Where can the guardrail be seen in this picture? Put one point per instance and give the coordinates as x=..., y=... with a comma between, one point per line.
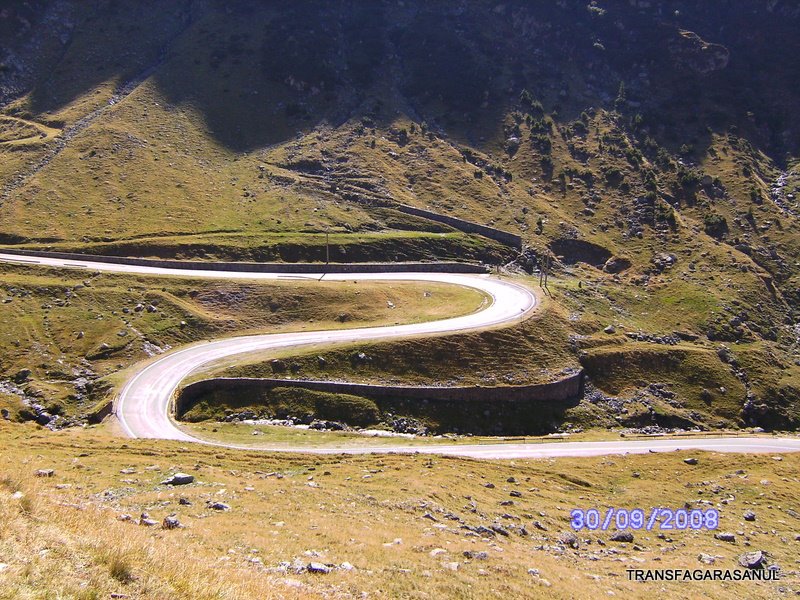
x=271, y=267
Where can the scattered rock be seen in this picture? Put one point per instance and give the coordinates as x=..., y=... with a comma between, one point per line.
x=500, y=529
x=171, y=522
x=726, y=537
x=663, y=261
x=178, y=479
x=706, y=558
x=213, y=505
x=484, y=531
x=568, y=538
x=476, y=555
x=749, y=516
x=146, y=521
x=622, y=536
x=327, y=426
x=690, y=461
x=359, y=358
x=752, y=560
x=610, y=329
x=408, y=425
x=45, y=473
x=318, y=568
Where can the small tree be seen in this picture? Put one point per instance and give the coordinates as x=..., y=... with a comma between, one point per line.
x=621, y=97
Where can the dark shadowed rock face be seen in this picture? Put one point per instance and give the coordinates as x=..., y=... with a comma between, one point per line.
x=571, y=251
x=690, y=51
x=617, y=264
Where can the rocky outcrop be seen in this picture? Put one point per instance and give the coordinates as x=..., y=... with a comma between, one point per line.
x=617, y=264
x=690, y=51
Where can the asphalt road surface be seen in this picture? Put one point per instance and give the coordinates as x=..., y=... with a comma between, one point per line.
x=144, y=404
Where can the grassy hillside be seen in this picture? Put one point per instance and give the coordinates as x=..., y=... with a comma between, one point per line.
x=390, y=526
x=68, y=334
x=658, y=135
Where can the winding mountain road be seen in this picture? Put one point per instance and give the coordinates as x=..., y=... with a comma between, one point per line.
x=144, y=404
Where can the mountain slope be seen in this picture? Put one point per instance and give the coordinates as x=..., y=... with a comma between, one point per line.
x=661, y=135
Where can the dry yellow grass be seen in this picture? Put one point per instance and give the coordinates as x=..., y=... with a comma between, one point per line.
x=60, y=549
x=63, y=538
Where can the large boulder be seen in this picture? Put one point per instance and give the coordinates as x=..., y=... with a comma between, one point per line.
x=178, y=479
x=752, y=560
x=171, y=522
x=622, y=536
x=318, y=568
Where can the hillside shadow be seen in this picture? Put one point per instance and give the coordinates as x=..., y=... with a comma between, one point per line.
x=260, y=72
x=102, y=42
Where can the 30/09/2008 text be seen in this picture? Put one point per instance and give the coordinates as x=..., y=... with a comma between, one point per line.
x=637, y=518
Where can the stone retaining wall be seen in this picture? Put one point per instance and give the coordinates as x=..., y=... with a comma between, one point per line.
x=503, y=410
x=569, y=388
x=396, y=267
x=504, y=237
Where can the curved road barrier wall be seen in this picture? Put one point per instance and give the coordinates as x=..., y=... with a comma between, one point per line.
x=248, y=267
x=504, y=237
x=508, y=410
